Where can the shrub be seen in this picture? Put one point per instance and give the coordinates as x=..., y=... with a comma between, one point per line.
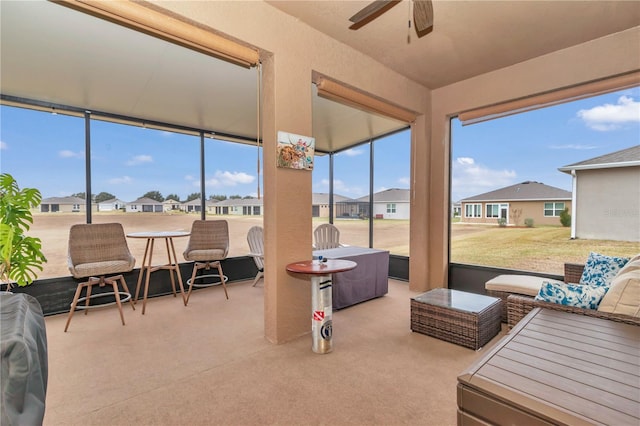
x=528, y=222
x=565, y=217
x=502, y=222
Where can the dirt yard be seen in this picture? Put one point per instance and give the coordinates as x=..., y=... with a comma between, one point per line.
x=53, y=230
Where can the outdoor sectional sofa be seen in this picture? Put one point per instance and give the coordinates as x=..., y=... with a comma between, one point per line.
x=518, y=305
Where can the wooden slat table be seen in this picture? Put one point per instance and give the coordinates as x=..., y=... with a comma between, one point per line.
x=556, y=368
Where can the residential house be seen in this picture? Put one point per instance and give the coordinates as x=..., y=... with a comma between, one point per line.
x=388, y=204
x=170, y=205
x=239, y=207
x=606, y=196
x=111, y=205
x=144, y=205
x=320, y=204
x=526, y=200
x=63, y=205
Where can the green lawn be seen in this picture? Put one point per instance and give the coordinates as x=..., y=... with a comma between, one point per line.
x=542, y=249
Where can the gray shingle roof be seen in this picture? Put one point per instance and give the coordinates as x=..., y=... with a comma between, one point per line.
x=63, y=200
x=528, y=190
x=396, y=195
x=145, y=200
x=623, y=158
x=323, y=198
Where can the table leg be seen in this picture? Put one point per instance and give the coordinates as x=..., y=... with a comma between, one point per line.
x=321, y=313
x=142, y=269
x=146, y=281
x=173, y=251
x=170, y=266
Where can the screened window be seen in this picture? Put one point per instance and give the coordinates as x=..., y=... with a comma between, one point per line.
x=473, y=210
x=553, y=209
x=391, y=207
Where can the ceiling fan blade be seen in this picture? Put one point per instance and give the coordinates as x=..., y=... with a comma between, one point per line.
x=422, y=17
x=371, y=12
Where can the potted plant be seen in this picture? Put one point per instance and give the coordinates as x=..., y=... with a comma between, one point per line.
x=21, y=255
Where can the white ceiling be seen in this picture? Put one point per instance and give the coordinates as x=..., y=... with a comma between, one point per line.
x=56, y=55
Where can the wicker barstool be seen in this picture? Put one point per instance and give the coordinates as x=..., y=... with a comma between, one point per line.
x=208, y=245
x=95, y=251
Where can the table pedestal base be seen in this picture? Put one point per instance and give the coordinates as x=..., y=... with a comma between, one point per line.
x=321, y=314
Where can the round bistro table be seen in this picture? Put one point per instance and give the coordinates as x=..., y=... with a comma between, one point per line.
x=147, y=267
x=321, y=304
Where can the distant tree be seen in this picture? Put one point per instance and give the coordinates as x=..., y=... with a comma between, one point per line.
x=193, y=196
x=173, y=197
x=104, y=196
x=82, y=195
x=235, y=197
x=247, y=197
x=154, y=195
x=565, y=217
x=218, y=197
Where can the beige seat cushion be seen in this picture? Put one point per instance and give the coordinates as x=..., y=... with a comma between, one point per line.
x=519, y=284
x=623, y=296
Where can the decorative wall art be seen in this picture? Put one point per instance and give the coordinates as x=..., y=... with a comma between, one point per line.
x=295, y=151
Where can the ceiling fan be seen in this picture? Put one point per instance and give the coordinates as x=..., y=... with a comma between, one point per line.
x=422, y=14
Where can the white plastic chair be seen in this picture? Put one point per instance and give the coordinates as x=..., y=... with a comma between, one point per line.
x=326, y=236
x=255, y=239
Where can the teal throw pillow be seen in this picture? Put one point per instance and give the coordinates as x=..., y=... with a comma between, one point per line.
x=580, y=296
x=599, y=269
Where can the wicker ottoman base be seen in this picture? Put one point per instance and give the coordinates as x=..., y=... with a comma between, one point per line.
x=466, y=319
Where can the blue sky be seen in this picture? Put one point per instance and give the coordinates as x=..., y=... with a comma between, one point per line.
x=47, y=151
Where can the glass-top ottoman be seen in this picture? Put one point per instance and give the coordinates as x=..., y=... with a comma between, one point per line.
x=466, y=319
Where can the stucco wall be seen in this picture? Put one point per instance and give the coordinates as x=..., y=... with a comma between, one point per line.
x=608, y=204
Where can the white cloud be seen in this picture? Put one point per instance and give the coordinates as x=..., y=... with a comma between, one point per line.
x=405, y=181
x=610, y=117
x=3, y=145
x=352, y=152
x=120, y=180
x=139, y=159
x=573, y=146
x=189, y=178
x=471, y=179
x=465, y=160
x=339, y=187
x=226, y=178
x=65, y=153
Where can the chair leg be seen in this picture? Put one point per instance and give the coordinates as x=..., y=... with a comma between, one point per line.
x=193, y=277
x=259, y=275
x=116, y=293
x=73, y=306
x=222, y=280
x=126, y=288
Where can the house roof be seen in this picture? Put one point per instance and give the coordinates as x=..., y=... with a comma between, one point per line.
x=524, y=191
x=323, y=198
x=197, y=202
x=240, y=202
x=396, y=195
x=624, y=158
x=63, y=200
x=111, y=201
x=145, y=200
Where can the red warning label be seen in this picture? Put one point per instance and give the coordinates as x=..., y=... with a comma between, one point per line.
x=318, y=315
